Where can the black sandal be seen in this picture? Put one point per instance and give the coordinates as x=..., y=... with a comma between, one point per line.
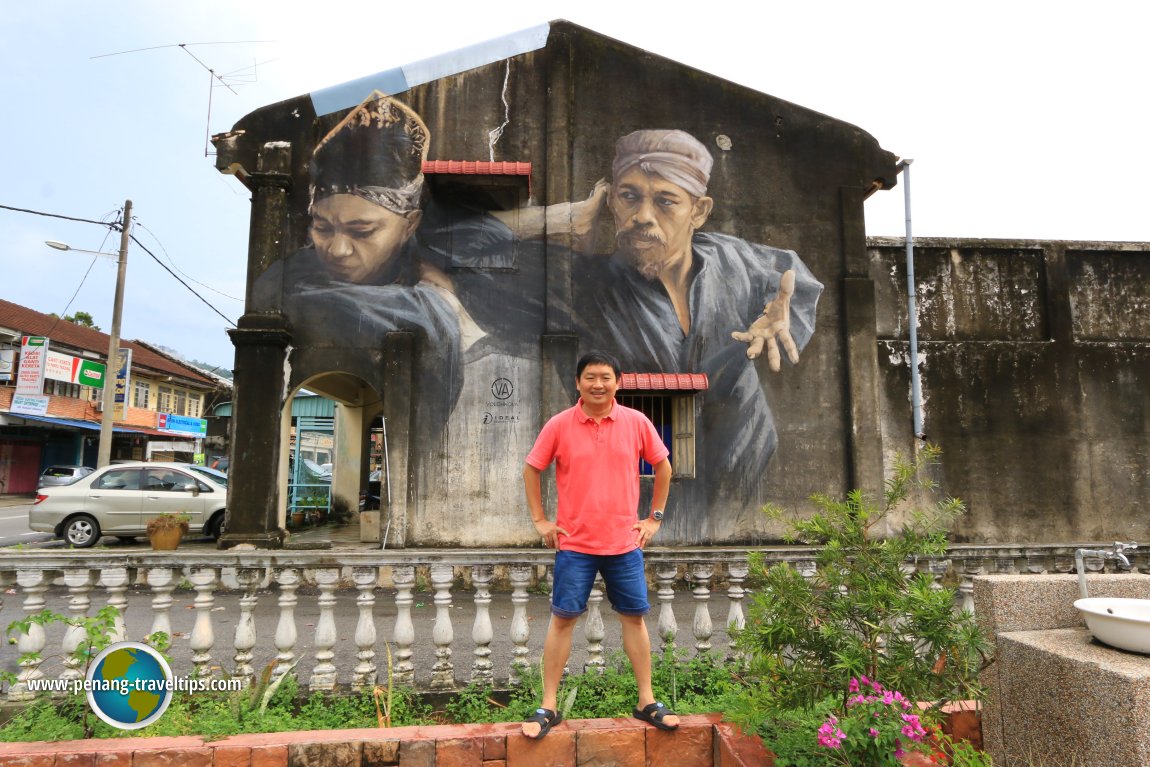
x=654, y=713
x=546, y=719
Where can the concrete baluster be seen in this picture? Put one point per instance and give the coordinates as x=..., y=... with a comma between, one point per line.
x=323, y=676
x=520, y=629
x=665, y=575
x=203, y=636
x=115, y=582
x=443, y=672
x=248, y=579
x=162, y=583
x=403, y=576
x=364, y=674
x=594, y=629
x=79, y=583
x=288, y=580
x=970, y=568
x=481, y=631
x=33, y=583
x=736, y=622
x=701, y=574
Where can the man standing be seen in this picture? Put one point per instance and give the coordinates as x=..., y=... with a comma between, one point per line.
x=596, y=446
x=676, y=299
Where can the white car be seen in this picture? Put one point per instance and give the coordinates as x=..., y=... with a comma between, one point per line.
x=120, y=499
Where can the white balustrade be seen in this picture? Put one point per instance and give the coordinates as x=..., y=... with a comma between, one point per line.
x=593, y=627
x=79, y=583
x=365, y=672
x=203, y=637
x=736, y=621
x=403, y=576
x=248, y=579
x=323, y=676
x=668, y=627
x=162, y=582
x=30, y=643
x=288, y=580
x=701, y=574
x=482, y=632
x=520, y=630
x=63, y=583
x=443, y=672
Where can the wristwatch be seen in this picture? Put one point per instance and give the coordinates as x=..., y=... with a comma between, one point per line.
x=657, y=515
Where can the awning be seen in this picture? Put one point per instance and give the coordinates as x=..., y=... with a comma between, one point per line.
x=664, y=382
x=71, y=423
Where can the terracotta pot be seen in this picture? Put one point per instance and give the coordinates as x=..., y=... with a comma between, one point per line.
x=166, y=539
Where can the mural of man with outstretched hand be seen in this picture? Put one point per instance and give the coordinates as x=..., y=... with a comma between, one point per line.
x=672, y=298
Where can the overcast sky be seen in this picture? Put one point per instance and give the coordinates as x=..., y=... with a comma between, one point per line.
x=1025, y=122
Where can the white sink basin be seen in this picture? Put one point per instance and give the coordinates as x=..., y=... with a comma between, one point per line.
x=1121, y=623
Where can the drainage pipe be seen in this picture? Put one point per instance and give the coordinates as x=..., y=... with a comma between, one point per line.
x=911, y=311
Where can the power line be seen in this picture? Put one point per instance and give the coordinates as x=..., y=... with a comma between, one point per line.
x=114, y=227
x=58, y=215
x=177, y=278
x=181, y=271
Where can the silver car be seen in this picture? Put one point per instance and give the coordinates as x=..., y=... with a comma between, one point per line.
x=120, y=499
x=55, y=476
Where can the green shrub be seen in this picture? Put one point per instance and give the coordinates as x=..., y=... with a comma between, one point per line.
x=865, y=612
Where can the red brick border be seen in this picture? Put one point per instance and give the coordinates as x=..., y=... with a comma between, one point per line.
x=701, y=741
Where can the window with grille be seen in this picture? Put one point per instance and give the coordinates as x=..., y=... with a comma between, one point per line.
x=181, y=402
x=164, y=399
x=674, y=417
x=141, y=393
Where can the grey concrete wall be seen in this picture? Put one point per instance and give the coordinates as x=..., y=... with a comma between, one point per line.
x=1034, y=358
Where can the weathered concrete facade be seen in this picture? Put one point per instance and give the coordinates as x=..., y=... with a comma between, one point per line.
x=1031, y=373
x=1034, y=360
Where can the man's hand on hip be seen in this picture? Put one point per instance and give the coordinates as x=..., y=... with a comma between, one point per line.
x=646, y=530
x=550, y=532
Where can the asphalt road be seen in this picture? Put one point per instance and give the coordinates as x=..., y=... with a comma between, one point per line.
x=14, y=523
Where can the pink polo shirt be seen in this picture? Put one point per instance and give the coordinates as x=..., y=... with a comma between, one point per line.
x=597, y=474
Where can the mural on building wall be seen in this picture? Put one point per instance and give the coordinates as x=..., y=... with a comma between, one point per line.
x=674, y=299
x=384, y=256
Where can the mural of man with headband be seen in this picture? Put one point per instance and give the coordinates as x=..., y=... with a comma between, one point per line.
x=675, y=299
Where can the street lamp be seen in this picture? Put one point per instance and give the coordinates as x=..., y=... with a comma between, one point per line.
x=104, y=456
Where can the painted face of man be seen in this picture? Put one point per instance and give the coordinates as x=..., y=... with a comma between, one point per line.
x=357, y=239
x=597, y=384
x=654, y=220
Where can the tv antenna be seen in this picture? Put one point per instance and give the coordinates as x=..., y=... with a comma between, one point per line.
x=238, y=77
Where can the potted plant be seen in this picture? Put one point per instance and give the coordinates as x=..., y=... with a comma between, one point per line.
x=166, y=530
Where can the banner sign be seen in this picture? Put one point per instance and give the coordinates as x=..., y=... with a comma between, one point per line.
x=33, y=354
x=123, y=369
x=179, y=424
x=29, y=404
x=77, y=370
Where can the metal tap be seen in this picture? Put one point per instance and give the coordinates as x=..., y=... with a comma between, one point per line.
x=1118, y=552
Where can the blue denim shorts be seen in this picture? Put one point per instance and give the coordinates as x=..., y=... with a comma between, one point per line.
x=622, y=573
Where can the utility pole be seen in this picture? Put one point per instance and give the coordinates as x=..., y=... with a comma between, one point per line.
x=104, y=457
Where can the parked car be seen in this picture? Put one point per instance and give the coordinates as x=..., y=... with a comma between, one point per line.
x=120, y=499
x=55, y=476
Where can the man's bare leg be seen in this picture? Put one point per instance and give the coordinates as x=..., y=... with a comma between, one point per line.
x=637, y=645
x=556, y=651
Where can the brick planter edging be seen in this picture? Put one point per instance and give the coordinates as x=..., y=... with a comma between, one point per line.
x=702, y=740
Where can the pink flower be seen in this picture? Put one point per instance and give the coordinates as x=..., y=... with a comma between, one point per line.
x=873, y=732
x=853, y=686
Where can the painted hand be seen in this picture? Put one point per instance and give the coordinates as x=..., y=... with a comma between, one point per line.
x=773, y=327
x=550, y=533
x=579, y=220
x=646, y=529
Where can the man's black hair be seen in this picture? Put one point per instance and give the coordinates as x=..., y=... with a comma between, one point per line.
x=596, y=357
